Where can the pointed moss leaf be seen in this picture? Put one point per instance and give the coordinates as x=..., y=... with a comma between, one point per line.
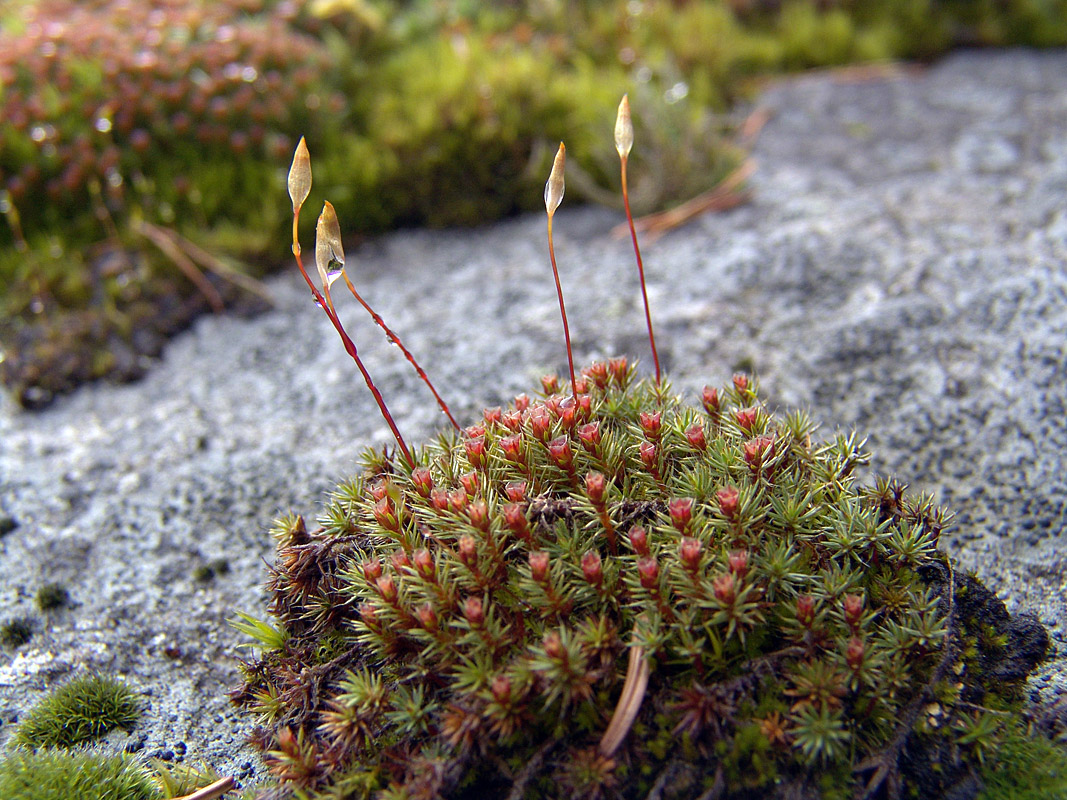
x=554, y=186
x=624, y=129
x=300, y=175
x=329, y=254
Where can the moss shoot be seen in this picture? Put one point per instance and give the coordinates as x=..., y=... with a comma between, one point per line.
x=80, y=711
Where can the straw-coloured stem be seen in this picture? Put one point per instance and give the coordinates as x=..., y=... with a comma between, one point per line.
x=624, y=139
x=553, y=197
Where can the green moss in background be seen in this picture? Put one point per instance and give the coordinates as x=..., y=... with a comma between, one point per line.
x=55, y=774
x=183, y=115
x=80, y=711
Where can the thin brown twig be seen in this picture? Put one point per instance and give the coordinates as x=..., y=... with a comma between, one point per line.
x=633, y=694
x=184, y=263
x=216, y=789
x=727, y=194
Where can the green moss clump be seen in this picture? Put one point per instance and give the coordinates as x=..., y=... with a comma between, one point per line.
x=16, y=632
x=479, y=608
x=50, y=774
x=52, y=596
x=80, y=711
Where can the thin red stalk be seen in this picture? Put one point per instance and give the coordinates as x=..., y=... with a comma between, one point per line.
x=350, y=348
x=640, y=267
x=407, y=354
x=563, y=312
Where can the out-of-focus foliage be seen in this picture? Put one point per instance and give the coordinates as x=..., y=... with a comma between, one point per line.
x=183, y=114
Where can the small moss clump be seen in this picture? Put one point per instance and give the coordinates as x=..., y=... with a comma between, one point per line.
x=82, y=710
x=52, y=596
x=16, y=632
x=51, y=774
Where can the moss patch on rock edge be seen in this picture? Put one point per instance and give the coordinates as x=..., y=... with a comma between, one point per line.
x=461, y=627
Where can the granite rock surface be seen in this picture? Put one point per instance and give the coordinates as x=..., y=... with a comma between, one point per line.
x=902, y=271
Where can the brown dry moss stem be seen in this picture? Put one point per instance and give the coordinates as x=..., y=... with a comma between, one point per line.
x=216, y=789
x=633, y=694
x=350, y=348
x=407, y=354
x=562, y=311
x=640, y=266
x=885, y=766
x=184, y=263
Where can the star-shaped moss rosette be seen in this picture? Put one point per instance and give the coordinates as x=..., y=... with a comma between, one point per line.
x=603, y=591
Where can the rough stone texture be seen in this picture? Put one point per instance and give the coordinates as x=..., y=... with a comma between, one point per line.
x=903, y=271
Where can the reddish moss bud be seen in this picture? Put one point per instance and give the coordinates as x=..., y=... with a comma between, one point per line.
x=400, y=561
x=516, y=491
x=470, y=483
x=372, y=569
x=474, y=431
x=737, y=562
x=379, y=490
x=741, y=382
x=649, y=455
x=619, y=369
x=598, y=372
x=473, y=611
x=424, y=563
x=681, y=511
x=651, y=424
x=568, y=413
x=728, y=499
x=689, y=553
x=522, y=402
x=422, y=481
x=648, y=572
x=386, y=588
x=725, y=588
x=589, y=435
x=581, y=386
x=439, y=500
x=559, y=450
x=475, y=452
x=427, y=617
x=592, y=568
x=539, y=565
x=540, y=423
x=457, y=501
x=854, y=654
x=639, y=540
x=512, y=421
x=550, y=383
x=492, y=416
x=515, y=519
x=479, y=514
x=806, y=610
x=513, y=449
x=694, y=434
x=585, y=406
x=501, y=689
x=385, y=515
x=468, y=550
x=595, y=485
x=369, y=614
x=758, y=451
x=554, y=648
x=746, y=418
x=710, y=399
x=852, y=605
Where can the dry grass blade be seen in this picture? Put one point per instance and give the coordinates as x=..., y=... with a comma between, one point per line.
x=172, y=251
x=216, y=265
x=727, y=194
x=633, y=694
x=216, y=789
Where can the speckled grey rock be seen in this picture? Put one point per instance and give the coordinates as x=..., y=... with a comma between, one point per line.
x=902, y=270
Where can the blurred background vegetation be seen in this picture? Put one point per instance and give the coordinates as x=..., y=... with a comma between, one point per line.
x=144, y=146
